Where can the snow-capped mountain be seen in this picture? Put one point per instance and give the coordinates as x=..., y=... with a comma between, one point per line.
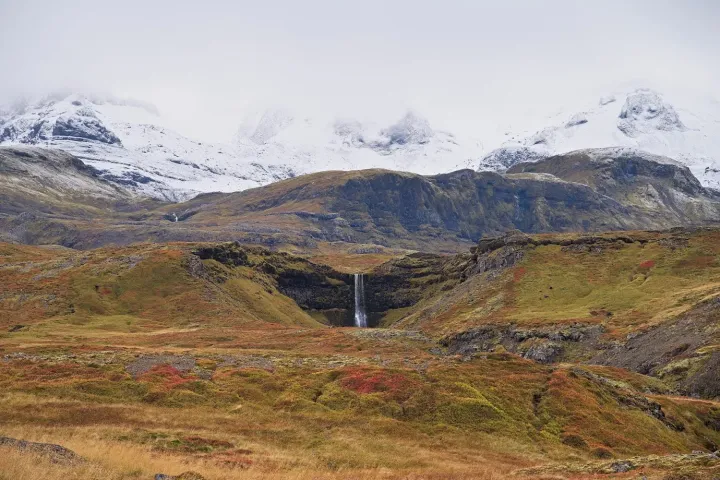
x=315, y=143
x=686, y=130
x=127, y=143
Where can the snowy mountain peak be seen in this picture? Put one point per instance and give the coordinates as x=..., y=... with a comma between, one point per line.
x=411, y=131
x=70, y=116
x=687, y=131
x=313, y=143
x=127, y=142
x=411, y=128
x=644, y=112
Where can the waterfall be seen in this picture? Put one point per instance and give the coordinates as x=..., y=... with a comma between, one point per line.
x=360, y=315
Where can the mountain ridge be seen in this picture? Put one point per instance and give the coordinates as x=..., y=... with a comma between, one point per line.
x=581, y=191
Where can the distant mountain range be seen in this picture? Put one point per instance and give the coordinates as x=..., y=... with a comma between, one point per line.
x=128, y=144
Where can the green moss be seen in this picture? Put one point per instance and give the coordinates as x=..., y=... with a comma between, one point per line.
x=392, y=316
x=678, y=366
x=335, y=397
x=125, y=390
x=182, y=398
x=467, y=412
x=375, y=404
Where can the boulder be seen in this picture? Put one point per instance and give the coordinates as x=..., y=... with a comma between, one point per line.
x=56, y=453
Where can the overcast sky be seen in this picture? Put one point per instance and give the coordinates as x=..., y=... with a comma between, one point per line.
x=468, y=65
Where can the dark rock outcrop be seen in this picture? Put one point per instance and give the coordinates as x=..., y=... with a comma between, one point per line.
x=56, y=453
x=228, y=254
x=405, y=281
x=396, y=284
x=543, y=345
x=84, y=128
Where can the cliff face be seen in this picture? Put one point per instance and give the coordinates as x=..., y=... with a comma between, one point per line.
x=649, y=185
x=468, y=204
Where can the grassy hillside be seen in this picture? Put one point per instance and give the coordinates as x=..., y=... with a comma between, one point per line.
x=135, y=288
x=624, y=282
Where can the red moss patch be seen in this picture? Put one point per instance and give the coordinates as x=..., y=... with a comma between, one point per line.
x=519, y=273
x=167, y=375
x=647, y=264
x=395, y=385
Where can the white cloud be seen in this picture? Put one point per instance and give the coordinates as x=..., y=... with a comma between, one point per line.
x=468, y=65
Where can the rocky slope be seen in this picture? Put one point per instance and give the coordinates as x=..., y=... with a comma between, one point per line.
x=54, y=182
x=643, y=301
x=656, y=185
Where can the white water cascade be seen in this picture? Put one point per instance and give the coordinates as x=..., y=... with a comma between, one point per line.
x=360, y=315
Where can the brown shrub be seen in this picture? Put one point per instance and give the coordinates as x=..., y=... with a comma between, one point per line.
x=575, y=441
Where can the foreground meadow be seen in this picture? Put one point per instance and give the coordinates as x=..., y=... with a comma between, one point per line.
x=142, y=362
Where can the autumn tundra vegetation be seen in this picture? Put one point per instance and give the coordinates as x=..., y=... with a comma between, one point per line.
x=230, y=361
